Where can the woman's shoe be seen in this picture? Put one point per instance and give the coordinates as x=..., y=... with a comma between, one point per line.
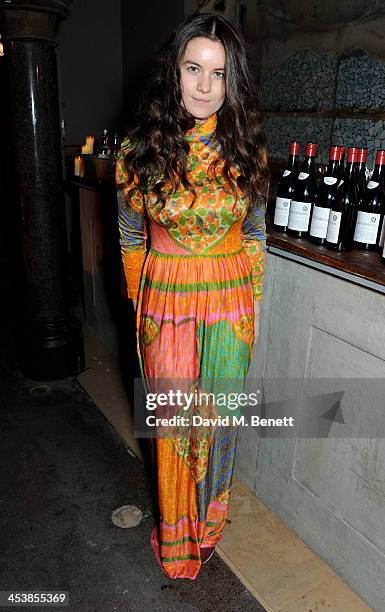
x=206, y=553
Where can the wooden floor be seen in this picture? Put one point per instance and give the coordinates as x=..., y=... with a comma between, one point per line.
x=270, y=559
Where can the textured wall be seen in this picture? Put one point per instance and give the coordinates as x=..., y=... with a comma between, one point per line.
x=323, y=74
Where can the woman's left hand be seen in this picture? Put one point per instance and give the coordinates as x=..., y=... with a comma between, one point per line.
x=257, y=312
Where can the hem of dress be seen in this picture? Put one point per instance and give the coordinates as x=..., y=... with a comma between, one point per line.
x=155, y=547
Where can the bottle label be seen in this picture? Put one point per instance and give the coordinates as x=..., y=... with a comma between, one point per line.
x=366, y=227
x=282, y=208
x=303, y=175
x=286, y=172
x=299, y=216
x=319, y=222
x=372, y=185
x=333, y=226
x=330, y=180
x=382, y=235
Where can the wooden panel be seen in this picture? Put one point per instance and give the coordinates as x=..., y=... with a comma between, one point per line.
x=99, y=317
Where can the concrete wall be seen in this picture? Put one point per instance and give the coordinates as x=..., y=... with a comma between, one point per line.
x=319, y=335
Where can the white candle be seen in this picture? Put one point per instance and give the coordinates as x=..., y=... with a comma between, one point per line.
x=85, y=150
x=78, y=161
x=79, y=169
x=90, y=141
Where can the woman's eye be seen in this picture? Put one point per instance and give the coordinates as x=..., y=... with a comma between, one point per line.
x=192, y=68
x=220, y=74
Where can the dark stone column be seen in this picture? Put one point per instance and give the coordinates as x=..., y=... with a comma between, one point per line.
x=50, y=340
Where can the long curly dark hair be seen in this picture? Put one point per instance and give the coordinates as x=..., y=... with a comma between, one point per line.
x=158, y=154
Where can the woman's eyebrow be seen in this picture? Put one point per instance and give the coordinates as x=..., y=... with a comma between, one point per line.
x=196, y=64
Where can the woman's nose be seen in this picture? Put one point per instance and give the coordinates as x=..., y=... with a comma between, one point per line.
x=204, y=83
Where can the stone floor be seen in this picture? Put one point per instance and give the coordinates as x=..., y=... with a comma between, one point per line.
x=63, y=470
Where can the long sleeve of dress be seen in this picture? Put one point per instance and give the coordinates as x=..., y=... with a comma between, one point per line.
x=132, y=225
x=254, y=243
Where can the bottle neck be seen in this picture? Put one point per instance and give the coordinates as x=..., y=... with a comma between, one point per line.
x=361, y=169
x=333, y=168
x=350, y=181
x=350, y=171
x=292, y=162
x=308, y=165
x=378, y=173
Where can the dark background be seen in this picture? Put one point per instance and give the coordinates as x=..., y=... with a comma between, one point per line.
x=104, y=50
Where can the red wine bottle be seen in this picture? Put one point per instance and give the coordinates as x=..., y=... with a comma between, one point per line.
x=381, y=241
x=339, y=232
x=303, y=195
x=361, y=172
x=342, y=151
x=369, y=212
x=325, y=198
x=285, y=189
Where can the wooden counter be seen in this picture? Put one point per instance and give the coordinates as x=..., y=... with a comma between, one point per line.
x=361, y=267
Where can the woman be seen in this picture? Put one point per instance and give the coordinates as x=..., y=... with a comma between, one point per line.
x=192, y=175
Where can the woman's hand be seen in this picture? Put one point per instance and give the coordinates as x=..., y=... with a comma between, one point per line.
x=134, y=303
x=257, y=312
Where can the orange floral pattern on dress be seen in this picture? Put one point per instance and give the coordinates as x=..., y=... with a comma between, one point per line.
x=196, y=228
x=150, y=330
x=244, y=329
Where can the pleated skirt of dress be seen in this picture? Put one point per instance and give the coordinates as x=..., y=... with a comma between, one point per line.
x=195, y=320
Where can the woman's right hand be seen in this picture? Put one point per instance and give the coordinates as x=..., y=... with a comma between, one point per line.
x=134, y=303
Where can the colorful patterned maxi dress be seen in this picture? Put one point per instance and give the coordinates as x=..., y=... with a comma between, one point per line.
x=195, y=318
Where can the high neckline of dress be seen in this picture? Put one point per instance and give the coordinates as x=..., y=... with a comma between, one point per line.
x=202, y=128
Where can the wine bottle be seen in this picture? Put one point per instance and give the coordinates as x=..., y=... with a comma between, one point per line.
x=285, y=189
x=324, y=198
x=104, y=148
x=369, y=212
x=115, y=146
x=381, y=241
x=342, y=151
x=303, y=195
x=339, y=232
x=361, y=172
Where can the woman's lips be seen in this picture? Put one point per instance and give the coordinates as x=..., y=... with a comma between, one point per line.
x=201, y=101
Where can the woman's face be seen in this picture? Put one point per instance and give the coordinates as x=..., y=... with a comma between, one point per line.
x=202, y=80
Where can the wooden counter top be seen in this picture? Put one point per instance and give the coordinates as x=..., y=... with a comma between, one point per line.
x=361, y=267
